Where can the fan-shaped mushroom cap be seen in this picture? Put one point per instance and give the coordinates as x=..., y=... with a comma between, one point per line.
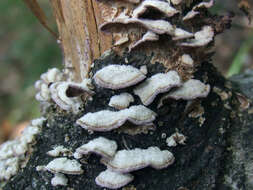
x=59, y=179
x=201, y=38
x=158, y=83
x=176, y=2
x=113, y=180
x=102, y=146
x=66, y=94
x=147, y=37
x=118, y=76
x=121, y=101
x=126, y=161
x=181, y=34
x=190, y=90
x=161, y=6
x=64, y=165
x=156, y=26
x=107, y=120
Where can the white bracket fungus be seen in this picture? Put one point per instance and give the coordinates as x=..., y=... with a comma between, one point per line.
x=194, y=11
x=59, y=179
x=67, y=94
x=176, y=138
x=126, y=161
x=107, y=120
x=156, y=26
x=190, y=90
x=101, y=146
x=118, y=76
x=147, y=37
x=181, y=34
x=158, y=83
x=13, y=153
x=161, y=6
x=58, y=150
x=121, y=101
x=113, y=180
x=42, y=85
x=201, y=38
x=64, y=165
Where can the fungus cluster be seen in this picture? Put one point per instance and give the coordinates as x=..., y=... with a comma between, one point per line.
x=127, y=85
x=13, y=153
x=67, y=95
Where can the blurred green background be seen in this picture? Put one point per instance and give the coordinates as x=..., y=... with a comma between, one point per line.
x=27, y=50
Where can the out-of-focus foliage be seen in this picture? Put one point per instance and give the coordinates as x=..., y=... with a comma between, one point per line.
x=26, y=51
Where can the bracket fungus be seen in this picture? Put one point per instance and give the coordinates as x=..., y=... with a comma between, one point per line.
x=13, y=154
x=113, y=180
x=196, y=8
x=101, y=146
x=147, y=37
x=201, y=38
x=190, y=90
x=121, y=101
x=118, y=76
x=46, y=79
x=59, y=179
x=108, y=120
x=65, y=166
x=161, y=6
x=126, y=161
x=158, y=83
x=67, y=94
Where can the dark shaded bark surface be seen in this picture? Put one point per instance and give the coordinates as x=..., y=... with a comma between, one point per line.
x=204, y=163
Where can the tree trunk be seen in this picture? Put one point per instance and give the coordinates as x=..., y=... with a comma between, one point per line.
x=160, y=38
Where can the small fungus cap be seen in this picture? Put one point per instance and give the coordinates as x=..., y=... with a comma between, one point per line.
x=102, y=146
x=121, y=101
x=113, y=180
x=64, y=165
x=118, y=76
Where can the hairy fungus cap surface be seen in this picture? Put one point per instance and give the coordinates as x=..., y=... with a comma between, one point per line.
x=118, y=76
x=126, y=161
x=121, y=101
x=161, y=6
x=113, y=180
x=176, y=2
x=64, y=165
x=107, y=120
x=9, y=167
x=201, y=38
x=158, y=83
x=102, y=146
x=59, y=179
x=181, y=34
x=190, y=90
